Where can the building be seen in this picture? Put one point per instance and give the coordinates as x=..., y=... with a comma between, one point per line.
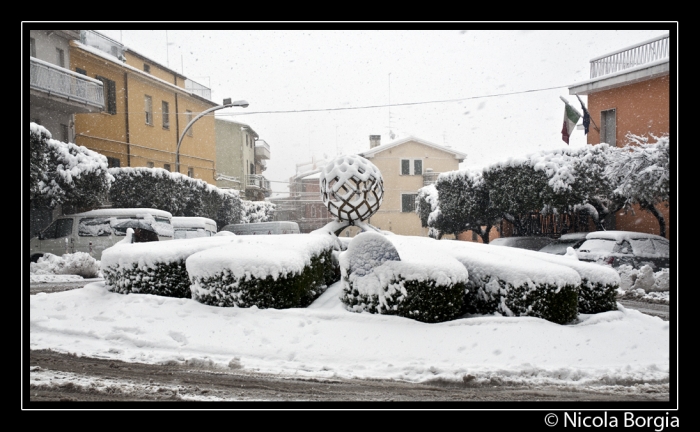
x=56, y=95
x=628, y=92
x=146, y=108
x=407, y=165
x=241, y=158
x=304, y=204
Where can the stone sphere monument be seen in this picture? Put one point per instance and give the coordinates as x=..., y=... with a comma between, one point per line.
x=351, y=188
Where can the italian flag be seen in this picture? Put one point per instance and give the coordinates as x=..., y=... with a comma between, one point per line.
x=571, y=116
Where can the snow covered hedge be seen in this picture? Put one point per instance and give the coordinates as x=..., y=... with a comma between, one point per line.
x=173, y=192
x=155, y=267
x=272, y=271
x=412, y=284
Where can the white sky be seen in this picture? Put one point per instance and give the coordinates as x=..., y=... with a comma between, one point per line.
x=327, y=70
x=325, y=340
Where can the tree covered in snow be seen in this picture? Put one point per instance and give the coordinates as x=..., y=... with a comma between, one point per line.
x=173, y=192
x=66, y=174
x=641, y=174
x=257, y=211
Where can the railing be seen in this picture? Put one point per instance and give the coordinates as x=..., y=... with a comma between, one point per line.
x=257, y=181
x=197, y=88
x=102, y=43
x=430, y=178
x=262, y=150
x=645, y=52
x=56, y=80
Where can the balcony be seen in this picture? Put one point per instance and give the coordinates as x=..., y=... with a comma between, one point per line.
x=256, y=181
x=102, y=43
x=198, y=89
x=637, y=55
x=430, y=177
x=262, y=150
x=64, y=85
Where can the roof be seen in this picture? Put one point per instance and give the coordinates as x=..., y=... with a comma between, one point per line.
x=179, y=221
x=123, y=212
x=372, y=152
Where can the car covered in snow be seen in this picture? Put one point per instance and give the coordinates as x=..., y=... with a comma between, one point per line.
x=617, y=248
x=524, y=242
x=560, y=245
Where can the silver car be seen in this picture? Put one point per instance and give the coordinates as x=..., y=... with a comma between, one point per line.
x=617, y=248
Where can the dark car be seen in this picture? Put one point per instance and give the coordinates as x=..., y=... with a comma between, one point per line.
x=559, y=246
x=618, y=248
x=531, y=243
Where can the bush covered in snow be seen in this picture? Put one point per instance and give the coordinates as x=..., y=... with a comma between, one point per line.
x=173, y=192
x=154, y=267
x=376, y=279
x=79, y=263
x=272, y=271
x=257, y=211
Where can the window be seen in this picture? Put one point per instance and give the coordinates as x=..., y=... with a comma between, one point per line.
x=166, y=166
x=113, y=162
x=608, y=127
x=110, y=92
x=149, y=164
x=148, y=108
x=65, y=136
x=166, y=115
x=188, y=118
x=408, y=168
x=94, y=227
x=408, y=202
x=146, y=68
x=81, y=71
x=59, y=228
x=190, y=172
x=60, y=59
x=252, y=169
x=32, y=47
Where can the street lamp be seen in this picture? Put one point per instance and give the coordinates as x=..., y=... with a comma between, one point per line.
x=227, y=104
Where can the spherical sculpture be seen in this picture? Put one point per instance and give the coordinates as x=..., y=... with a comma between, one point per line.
x=351, y=188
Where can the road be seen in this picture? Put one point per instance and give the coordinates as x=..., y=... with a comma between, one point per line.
x=60, y=377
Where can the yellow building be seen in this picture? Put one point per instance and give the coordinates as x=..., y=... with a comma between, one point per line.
x=147, y=106
x=407, y=165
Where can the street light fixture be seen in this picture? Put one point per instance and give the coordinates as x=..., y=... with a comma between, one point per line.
x=227, y=104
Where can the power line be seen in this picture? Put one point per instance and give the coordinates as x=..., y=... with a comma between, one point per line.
x=390, y=104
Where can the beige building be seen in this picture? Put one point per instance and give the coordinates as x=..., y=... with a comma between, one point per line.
x=407, y=165
x=146, y=108
x=241, y=158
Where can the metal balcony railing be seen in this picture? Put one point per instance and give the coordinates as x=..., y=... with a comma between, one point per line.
x=256, y=181
x=642, y=53
x=430, y=178
x=63, y=82
x=198, y=89
x=102, y=43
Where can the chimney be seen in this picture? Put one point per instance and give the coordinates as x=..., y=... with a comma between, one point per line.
x=374, y=140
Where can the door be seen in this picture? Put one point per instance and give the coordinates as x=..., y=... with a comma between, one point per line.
x=57, y=238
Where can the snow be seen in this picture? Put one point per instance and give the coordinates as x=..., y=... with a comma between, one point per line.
x=325, y=340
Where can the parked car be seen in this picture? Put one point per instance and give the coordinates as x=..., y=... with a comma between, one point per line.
x=192, y=227
x=281, y=227
x=531, y=242
x=560, y=245
x=96, y=230
x=616, y=248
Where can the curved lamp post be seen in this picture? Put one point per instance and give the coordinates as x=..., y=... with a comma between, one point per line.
x=227, y=104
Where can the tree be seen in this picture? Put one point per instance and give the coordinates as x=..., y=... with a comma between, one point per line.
x=641, y=175
x=257, y=211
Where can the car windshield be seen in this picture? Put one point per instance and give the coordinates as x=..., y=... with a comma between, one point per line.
x=598, y=245
x=559, y=246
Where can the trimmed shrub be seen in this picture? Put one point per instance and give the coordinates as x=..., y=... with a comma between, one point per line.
x=155, y=267
x=377, y=280
x=272, y=271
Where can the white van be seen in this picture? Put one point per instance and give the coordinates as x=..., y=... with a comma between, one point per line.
x=282, y=227
x=192, y=227
x=95, y=231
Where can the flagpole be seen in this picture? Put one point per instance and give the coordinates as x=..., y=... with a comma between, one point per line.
x=595, y=126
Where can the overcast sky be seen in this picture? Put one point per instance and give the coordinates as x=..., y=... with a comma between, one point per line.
x=490, y=94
